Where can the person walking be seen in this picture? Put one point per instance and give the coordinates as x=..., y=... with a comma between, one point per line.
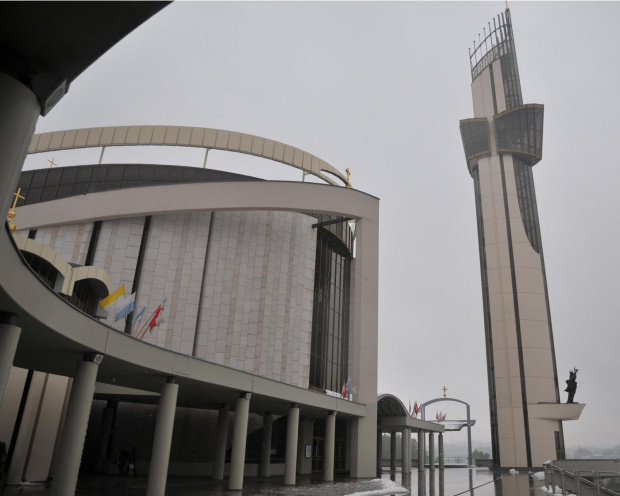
x=131, y=462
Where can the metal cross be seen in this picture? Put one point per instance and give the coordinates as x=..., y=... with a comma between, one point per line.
x=444, y=391
x=52, y=163
x=17, y=197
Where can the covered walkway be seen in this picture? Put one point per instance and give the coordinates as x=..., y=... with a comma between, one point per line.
x=393, y=417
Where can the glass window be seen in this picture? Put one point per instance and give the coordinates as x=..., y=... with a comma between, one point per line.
x=38, y=178
x=115, y=173
x=68, y=175
x=83, y=174
x=49, y=193
x=33, y=196
x=53, y=177
x=63, y=191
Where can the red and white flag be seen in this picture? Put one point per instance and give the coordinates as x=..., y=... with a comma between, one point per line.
x=157, y=318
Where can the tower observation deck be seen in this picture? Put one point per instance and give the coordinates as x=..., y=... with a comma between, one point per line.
x=502, y=142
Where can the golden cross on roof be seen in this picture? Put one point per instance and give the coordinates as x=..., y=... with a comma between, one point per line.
x=444, y=389
x=17, y=197
x=11, y=214
x=52, y=163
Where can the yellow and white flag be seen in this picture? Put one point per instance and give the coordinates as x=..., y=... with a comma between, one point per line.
x=109, y=300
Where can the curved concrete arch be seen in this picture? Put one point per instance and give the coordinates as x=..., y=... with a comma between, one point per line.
x=192, y=197
x=99, y=276
x=424, y=405
x=393, y=401
x=50, y=324
x=69, y=274
x=46, y=253
x=196, y=137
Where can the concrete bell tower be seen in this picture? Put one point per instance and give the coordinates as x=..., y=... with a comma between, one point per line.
x=502, y=142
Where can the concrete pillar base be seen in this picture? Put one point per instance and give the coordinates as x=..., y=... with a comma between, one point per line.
x=220, y=443
x=160, y=457
x=292, y=433
x=240, y=434
x=330, y=445
x=265, y=456
x=74, y=432
x=420, y=451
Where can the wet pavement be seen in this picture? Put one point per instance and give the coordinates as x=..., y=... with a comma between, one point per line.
x=452, y=482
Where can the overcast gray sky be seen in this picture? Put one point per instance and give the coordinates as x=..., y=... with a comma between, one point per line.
x=380, y=88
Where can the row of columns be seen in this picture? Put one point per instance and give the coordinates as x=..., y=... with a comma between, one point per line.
x=71, y=442
x=406, y=451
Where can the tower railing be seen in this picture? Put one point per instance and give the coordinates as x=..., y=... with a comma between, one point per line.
x=497, y=41
x=579, y=482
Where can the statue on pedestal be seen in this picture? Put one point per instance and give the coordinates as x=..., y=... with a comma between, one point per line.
x=571, y=384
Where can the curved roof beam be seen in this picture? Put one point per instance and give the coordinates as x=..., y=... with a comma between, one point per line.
x=196, y=137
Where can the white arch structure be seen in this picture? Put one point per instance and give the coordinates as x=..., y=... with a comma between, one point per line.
x=196, y=137
x=70, y=275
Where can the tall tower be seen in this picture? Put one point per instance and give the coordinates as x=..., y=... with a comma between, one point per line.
x=502, y=143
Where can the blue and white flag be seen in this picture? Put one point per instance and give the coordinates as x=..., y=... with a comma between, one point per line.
x=348, y=384
x=138, y=315
x=125, y=307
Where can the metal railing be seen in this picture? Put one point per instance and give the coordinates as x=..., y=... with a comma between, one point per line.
x=581, y=482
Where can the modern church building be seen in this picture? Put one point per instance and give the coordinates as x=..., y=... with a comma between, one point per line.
x=259, y=305
x=502, y=144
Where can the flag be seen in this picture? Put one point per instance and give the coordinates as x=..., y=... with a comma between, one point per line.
x=344, y=390
x=138, y=315
x=155, y=321
x=125, y=307
x=416, y=409
x=108, y=300
x=410, y=409
x=348, y=385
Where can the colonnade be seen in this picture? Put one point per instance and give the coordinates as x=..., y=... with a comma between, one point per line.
x=406, y=450
x=68, y=457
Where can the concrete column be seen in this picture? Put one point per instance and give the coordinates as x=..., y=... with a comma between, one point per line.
x=405, y=452
x=76, y=422
x=160, y=456
x=61, y=426
x=431, y=451
x=408, y=450
x=306, y=436
x=9, y=337
x=106, y=429
x=301, y=441
x=265, y=454
x=330, y=445
x=219, y=461
x=379, y=452
x=240, y=434
x=393, y=450
x=440, y=443
x=403, y=449
x=420, y=451
x=19, y=111
x=292, y=432
x=27, y=429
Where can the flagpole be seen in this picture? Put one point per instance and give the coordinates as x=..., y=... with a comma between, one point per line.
x=143, y=329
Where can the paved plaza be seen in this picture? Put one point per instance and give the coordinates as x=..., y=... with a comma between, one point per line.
x=453, y=482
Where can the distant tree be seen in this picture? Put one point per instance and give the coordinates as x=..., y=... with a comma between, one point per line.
x=582, y=452
x=478, y=454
